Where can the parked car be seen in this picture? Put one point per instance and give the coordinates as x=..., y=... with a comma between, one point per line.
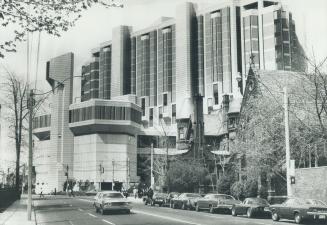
x=170, y=196
x=252, y=207
x=299, y=209
x=184, y=201
x=157, y=199
x=214, y=202
x=111, y=200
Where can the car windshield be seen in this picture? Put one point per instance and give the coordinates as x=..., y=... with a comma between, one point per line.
x=193, y=195
x=257, y=201
x=112, y=195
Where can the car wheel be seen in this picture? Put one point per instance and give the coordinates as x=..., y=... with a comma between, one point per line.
x=297, y=218
x=197, y=208
x=128, y=211
x=96, y=209
x=275, y=216
x=249, y=213
x=211, y=209
x=234, y=212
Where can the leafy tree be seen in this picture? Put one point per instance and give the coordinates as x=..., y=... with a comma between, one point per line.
x=50, y=16
x=186, y=175
x=71, y=183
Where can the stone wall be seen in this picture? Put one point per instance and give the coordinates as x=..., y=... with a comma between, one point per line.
x=311, y=183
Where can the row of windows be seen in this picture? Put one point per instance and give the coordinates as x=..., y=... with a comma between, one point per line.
x=104, y=113
x=42, y=121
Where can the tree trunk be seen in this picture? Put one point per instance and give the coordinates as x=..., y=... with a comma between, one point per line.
x=17, y=167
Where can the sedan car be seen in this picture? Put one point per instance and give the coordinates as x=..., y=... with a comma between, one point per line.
x=111, y=200
x=251, y=207
x=157, y=199
x=185, y=200
x=299, y=209
x=214, y=202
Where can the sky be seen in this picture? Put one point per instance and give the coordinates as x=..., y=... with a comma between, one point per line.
x=96, y=24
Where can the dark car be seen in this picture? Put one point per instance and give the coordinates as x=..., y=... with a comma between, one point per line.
x=252, y=207
x=299, y=209
x=215, y=202
x=157, y=199
x=184, y=200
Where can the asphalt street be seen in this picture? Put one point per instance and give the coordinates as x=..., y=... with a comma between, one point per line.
x=79, y=211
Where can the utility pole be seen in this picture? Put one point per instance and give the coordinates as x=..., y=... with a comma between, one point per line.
x=101, y=172
x=152, y=178
x=67, y=170
x=287, y=144
x=128, y=173
x=113, y=174
x=30, y=156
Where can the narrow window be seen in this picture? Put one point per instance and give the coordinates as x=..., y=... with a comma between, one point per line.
x=173, y=114
x=143, y=106
x=215, y=93
x=151, y=117
x=165, y=99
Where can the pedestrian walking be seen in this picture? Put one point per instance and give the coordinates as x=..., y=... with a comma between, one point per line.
x=135, y=192
x=41, y=193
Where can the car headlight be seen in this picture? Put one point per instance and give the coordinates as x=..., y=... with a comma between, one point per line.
x=107, y=203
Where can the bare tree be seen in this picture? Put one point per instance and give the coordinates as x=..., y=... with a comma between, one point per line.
x=15, y=100
x=50, y=16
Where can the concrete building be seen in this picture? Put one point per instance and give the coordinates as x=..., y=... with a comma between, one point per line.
x=178, y=82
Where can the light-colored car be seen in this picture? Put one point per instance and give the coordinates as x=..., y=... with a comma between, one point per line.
x=215, y=202
x=111, y=200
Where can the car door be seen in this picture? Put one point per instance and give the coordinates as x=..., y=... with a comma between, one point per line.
x=243, y=206
x=285, y=209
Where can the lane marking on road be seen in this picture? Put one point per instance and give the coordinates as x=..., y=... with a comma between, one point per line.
x=166, y=217
x=80, y=209
x=70, y=222
x=106, y=221
x=92, y=215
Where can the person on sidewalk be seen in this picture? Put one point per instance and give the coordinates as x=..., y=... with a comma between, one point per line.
x=135, y=192
x=41, y=193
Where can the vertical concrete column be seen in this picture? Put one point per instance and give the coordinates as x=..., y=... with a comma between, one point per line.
x=234, y=61
x=184, y=94
x=120, y=59
x=260, y=29
x=60, y=77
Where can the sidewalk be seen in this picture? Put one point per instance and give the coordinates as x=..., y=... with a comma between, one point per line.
x=16, y=214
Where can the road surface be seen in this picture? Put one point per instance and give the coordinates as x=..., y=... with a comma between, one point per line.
x=62, y=210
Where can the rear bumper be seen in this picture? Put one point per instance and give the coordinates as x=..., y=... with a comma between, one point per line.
x=120, y=207
x=317, y=213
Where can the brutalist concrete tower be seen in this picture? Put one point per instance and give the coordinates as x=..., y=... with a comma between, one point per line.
x=61, y=148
